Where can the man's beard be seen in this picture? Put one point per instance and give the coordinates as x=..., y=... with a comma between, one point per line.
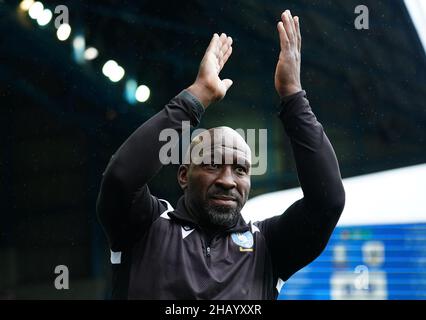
x=222, y=216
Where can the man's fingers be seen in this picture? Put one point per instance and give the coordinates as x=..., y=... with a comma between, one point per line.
x=229, y=42
x=225, y=51
x=225, y=57
x=284, y=41
x=225, y=46
x=222, y=39
x=220, y=48
x=219, y=45
x=213, y=43
x=299, y=36
x=285, y=17
x=293, y=25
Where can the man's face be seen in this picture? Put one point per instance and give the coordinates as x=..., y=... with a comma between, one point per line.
x=216, y=193
x=217, y=180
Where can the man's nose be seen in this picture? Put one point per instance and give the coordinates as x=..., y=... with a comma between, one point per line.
x=226, y=178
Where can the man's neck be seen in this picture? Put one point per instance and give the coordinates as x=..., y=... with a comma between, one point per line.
x=208, y=228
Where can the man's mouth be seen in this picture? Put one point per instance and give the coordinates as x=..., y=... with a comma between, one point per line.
x=224, y=200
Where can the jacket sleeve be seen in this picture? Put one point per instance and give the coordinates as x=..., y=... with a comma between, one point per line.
x=301, y=233
x=125, y=206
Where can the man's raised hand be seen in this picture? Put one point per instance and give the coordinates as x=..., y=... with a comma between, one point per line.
x=287, y=72
x=208, y=87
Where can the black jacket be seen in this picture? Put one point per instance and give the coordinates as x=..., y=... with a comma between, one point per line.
x=158, y=252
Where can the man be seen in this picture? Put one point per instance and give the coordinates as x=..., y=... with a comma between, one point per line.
x=203, y=249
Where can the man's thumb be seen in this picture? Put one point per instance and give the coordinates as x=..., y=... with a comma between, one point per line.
x=227, y=83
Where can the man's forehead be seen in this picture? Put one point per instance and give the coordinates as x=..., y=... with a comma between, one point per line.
x=218, y=144
x=225, y=155
x=222, y=136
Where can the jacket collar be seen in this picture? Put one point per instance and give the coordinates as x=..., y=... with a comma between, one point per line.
x=181, y=215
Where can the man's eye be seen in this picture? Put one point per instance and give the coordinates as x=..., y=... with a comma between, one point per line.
x=241, y=170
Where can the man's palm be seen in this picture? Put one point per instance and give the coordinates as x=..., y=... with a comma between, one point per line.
x=287, y=72
x=217, y=53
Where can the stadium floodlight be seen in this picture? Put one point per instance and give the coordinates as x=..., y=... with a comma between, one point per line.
x=117, y=74
x=25, y=5
x=91, y=53
x=108, y=67
x=45, y=17
x=113, y=71
x=130, y=91
x=142, y=93
x=79, y=47
x=63, y=32
x=36, y=10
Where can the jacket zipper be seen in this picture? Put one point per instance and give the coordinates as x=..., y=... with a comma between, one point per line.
x=208, y=252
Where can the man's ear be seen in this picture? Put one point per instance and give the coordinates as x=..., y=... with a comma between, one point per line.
x=182, y=175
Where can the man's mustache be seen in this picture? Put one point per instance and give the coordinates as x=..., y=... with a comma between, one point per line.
x=229, y=194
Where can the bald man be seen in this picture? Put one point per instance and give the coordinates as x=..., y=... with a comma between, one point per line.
x=202, y=248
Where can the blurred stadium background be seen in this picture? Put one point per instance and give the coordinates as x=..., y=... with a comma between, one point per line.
x=61, y=119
